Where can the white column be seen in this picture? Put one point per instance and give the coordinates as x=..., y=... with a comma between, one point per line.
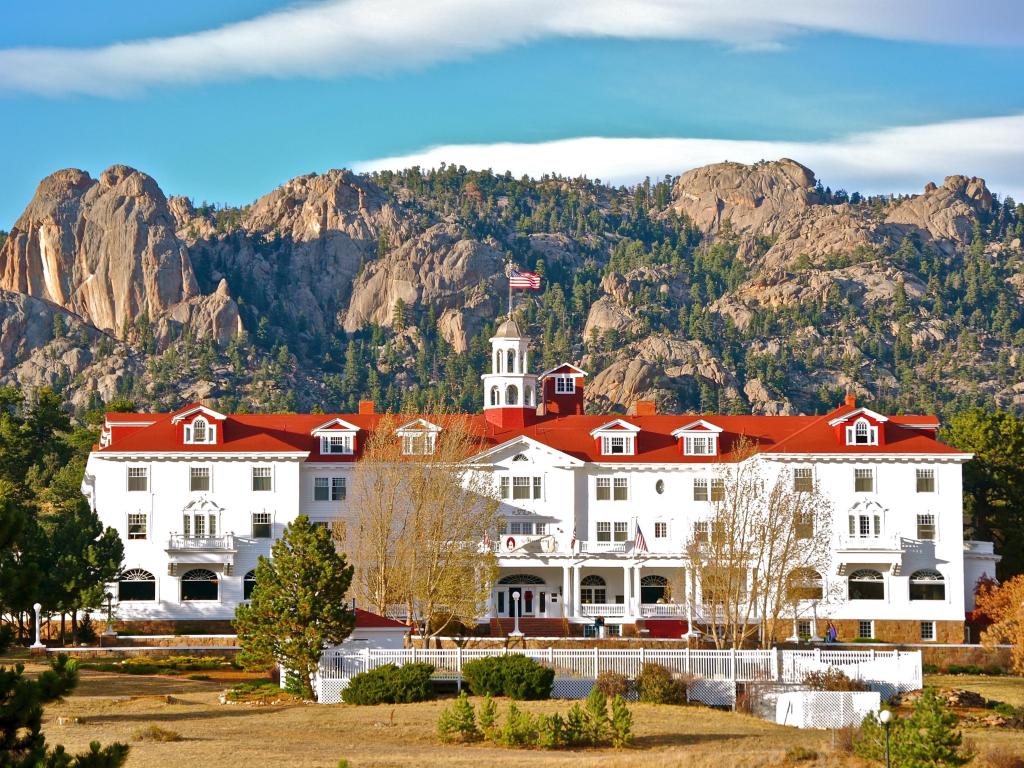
x=636, y=589
x=627, y=599
x=567, y=601
x=576, y=577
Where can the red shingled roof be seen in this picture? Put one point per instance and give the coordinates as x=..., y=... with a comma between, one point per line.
x=368, y=620
x=570, y=434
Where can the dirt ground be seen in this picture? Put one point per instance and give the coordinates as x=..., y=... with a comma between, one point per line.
x=112, y=707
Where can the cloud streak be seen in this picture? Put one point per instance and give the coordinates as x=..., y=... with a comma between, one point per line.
x=901, y=159
x=346, y=37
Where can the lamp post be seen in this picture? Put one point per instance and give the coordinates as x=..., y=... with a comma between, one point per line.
x=109, y=631
x=515, y=612
x=38, y=643
x=884, y=717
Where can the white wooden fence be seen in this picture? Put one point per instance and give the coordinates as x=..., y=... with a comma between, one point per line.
x=893, y=670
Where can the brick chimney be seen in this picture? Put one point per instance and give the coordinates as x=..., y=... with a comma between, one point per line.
x=366, y=408
x=851, y=400
x=645, y=408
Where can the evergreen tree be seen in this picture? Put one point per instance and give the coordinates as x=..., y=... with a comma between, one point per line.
x=298, y=604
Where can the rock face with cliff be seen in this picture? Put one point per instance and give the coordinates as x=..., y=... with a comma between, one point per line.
x=731, y=287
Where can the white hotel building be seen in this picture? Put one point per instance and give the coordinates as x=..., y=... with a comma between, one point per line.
x=198, y=496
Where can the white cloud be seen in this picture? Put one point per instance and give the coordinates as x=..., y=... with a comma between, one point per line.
x=339, y=37
x=896, y=160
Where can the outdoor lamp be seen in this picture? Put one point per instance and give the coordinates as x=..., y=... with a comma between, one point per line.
x=884, y=717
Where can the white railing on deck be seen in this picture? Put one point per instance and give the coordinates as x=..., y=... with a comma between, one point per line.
x=604, y=547
x=224, y=541
x=898, y=670
x=662, y=609
x=603, y=609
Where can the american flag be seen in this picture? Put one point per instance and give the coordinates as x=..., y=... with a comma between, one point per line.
x=641, y=542
x=572, y=544
x=530, y=280
x=487, y=541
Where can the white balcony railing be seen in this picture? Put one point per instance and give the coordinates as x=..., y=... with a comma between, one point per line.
x=849, y=543
x=608, y=610
x=223, y=543
x=662, y=610
x=605, y=547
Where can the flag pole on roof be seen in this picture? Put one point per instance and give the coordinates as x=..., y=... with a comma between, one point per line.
x=510, y=269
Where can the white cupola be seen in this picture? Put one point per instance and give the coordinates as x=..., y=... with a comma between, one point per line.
x=510, y=393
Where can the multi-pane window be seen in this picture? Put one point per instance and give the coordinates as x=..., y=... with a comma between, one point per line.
x=199, y=479
x=339, y=489
x=862, y=433
x=865, y=526
x=700, y=532
x=138, y=479
x=699, y=445
x=200, y=431
x=336, y=444
x=803, y=525
x=418, y=443
x=537, y=488
x=863, y=480
x=261, y=478
x=717, y=489
x=926, y=527
x=927, y=630
x=612, y=489
x=661, y=530
x=621, y=531
x=520, y=487
x=926, y=481
x=138, y=525
x=261, y=525
x=329, y=489
x=617, y=445
x=604, y=531
x=565, y=385
x=620, y=491
x=803, y=629
x=803, y=480
x=865, y=630
x=700, y=489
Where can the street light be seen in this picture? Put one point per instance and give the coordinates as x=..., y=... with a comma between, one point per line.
x=515, y=610
x=884, y=717
x=38, y=643
x=109, y=631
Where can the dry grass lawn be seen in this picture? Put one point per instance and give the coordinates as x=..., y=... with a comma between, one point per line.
x=112, y=707
x=1007, y=689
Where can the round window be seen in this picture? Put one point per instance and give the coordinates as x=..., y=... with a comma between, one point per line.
x=660, y=486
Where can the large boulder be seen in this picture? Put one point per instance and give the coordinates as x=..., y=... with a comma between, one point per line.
x=946, y=213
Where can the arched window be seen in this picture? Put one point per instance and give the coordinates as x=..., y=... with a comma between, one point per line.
x=497, y=361
x=199, y=430
x=136, y=584
x=653, y=589
x=592, y=590
x=867, y=585
x=495, y=396
x=511, y=361
x=520, y=457
x=927, y=584
x=199, y=584
x=511, y=395
x=521, y=578
x=862, y=433
x=248, y=584
x=804, y=584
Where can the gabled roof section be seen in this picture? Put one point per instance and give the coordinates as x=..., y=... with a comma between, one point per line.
x=521, y=443
x=700, y=425
x=842, y=419
x=619, y=425
x=190, y=410
x=417, y=425
x=336, y=424
x=565, y=369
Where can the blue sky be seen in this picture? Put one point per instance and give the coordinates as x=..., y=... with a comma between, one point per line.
x=222, y=103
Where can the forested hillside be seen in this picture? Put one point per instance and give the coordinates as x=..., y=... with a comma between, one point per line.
x=730, y=288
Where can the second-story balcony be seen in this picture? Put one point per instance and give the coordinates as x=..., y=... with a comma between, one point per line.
x=847, y=543
x=595, y=547
x=202, y=549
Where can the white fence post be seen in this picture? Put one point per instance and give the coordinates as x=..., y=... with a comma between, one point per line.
x=732, y=664
x=643, y=656
x=597, y=662
x=551, y=657
x=687, y=659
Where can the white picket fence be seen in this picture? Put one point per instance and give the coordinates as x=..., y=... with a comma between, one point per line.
x=891, y=670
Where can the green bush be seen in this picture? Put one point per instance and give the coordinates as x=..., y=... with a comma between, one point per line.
x=657, y=685
x=928, y=737
x=621, y=723
x=458, y=722
x=155, y=733
x=514, y=675
x=832, y=680
x=488, y=718
x=597, y=727
x=519, y=729
x=389, y=684
x=612, y=684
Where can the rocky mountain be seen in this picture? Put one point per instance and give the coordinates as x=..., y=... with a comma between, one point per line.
x=730, y=287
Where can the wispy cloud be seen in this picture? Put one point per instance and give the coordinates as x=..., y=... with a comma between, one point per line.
x=899, y=159
x=340, y=37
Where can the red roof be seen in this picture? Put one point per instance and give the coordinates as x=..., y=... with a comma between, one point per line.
x=570, y=434
x=368, y=620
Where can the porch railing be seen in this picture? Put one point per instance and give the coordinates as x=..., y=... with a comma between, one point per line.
x=655, y=610
x=868, y=543
x=611, y=610
x=199, y=543
x=605, y=547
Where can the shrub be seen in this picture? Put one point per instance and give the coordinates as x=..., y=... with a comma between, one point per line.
x=927, y=737
x=389, y=684
x=657, y=685
x=551, y=733
x=1001, y=757
x=515, y=676
x=930, y=669
x=800, y=754
x=488, y=717
x=832, y=680
x=621, y=723
x=518, y=730
x=612, y=684
x=597, y=727
x=458, y=722
x=155, y=733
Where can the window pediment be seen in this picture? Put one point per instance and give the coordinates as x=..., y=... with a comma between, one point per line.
x=616, y=438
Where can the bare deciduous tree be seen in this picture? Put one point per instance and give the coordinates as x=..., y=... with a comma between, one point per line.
x=760, y=557
x=417, y=519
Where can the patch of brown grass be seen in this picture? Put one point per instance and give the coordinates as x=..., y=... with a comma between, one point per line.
x=1006, y=688
x=155, y=733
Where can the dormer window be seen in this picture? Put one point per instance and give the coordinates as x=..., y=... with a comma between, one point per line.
x=616, y=438
x=699, y=445
x=200, y=431
x=336, y=445
x=862, y=433
x=565, y=385
x=617, y=445
x=418, y=443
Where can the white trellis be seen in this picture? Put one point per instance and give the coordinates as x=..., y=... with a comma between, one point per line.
x=888, y=671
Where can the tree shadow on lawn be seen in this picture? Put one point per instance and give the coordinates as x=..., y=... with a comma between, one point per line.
x=686, y=739
x=179, y=717
x=121, y=684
